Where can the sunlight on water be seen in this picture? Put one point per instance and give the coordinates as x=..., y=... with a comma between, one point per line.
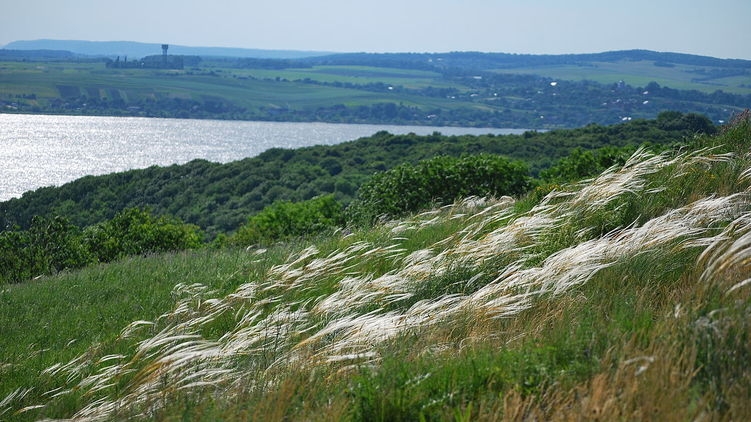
x=40, y=150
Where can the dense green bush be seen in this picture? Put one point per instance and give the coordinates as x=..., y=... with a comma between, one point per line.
x=285, y=219
x=135, y=231
x=437, y=181
x=691, y=122
x=52, y=245
x=585, y=163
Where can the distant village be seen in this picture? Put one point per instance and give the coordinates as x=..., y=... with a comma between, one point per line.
x=163, y=61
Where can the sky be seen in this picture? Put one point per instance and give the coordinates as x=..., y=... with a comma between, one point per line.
x=717, y=29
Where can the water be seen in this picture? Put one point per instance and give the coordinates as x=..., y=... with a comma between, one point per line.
x=39, y=150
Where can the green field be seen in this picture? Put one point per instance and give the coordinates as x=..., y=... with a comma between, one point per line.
x=615, y=295
x=251, y=89
x=137, y=84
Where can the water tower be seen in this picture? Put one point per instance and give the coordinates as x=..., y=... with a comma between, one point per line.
x=164, y=49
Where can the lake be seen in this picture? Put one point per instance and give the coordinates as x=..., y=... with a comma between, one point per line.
x=42, y=150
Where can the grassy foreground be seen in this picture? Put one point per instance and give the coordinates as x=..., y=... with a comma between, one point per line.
x=622, y=297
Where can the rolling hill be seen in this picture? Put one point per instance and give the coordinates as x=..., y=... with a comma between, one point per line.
x=437, y=89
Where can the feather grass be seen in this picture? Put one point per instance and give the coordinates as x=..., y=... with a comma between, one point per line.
x=319, y=309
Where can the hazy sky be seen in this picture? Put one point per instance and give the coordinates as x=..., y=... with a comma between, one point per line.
x=719, y=29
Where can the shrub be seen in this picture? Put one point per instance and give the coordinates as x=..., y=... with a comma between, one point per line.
x=692, y=122
x=285, y=219
x=437, y=181
x=136, y=232
x=49, y=246
x=580, y=164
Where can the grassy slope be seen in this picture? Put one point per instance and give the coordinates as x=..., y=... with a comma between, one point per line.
x=622, y=297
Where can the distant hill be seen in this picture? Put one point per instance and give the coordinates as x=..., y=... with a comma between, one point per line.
x=462, y=59
x=137, y=49
x=438, y=89
x=486, y=61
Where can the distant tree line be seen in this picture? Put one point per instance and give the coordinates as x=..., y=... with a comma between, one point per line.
x=38, y=55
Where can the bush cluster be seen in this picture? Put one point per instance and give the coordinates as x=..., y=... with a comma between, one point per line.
x=439, y=181
x=581, y=163
x=285, y=219
x=52, y=245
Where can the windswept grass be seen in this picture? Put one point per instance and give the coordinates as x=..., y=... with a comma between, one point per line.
x=622, y=297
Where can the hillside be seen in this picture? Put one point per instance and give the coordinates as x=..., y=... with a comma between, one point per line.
x=624, y=296
x=467, y=89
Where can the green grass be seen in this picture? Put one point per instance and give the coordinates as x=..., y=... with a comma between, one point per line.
x=57, y=318
x=617, y=298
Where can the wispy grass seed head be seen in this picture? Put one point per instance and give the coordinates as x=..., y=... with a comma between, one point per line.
x=316, y=310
